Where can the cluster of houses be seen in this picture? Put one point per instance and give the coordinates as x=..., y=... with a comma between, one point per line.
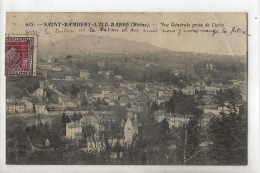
x=83, y=75
x=177, y=72
x=26, y=105
x=126, y=95
x=18, y=105
x=177, y=120
x=159, y=93
x=226, y=109
x=106, y=74
x=162, y=93
x=116, y=141
x=173, y=119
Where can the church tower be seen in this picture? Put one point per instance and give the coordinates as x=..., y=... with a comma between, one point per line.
x=128, y=131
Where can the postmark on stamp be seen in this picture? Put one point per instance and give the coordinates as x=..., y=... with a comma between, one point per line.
x=21, y=55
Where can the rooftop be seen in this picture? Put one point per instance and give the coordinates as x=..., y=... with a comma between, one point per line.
x=40, y=104
x=73, y=125
x=159, y=113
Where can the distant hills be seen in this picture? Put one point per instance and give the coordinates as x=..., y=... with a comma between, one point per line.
x=86, y=44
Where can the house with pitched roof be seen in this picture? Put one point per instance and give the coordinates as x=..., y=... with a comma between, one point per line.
x=73, y=130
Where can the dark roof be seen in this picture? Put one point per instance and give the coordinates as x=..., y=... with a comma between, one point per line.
x=73, y=125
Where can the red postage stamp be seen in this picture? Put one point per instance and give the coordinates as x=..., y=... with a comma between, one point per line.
x=20, y=55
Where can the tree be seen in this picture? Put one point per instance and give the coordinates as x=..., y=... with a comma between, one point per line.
x=170, y=105
x=231, y=95
x=68, y=119
x=197, y=114
x=98, y=103
x=46, y=126
x=79, y=116
x=74, y=90
x=63, y=118
x=193, y=140
x=229, y=134
x=34, y=109
x=143, y=159
x=154, y=107
x=68, y=57
x=76, y=117
x=164, y=130
x=88, y=131
x=17, y=142
x=189, y=135
x=181, y=103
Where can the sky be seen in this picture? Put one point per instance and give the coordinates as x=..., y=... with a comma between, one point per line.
x=223, y=43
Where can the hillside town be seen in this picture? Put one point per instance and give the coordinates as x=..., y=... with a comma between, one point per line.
x=117, y=120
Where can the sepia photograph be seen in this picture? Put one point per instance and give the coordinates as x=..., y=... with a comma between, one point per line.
x=126, y=89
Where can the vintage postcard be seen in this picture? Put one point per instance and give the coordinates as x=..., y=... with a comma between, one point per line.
x=126, y=88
